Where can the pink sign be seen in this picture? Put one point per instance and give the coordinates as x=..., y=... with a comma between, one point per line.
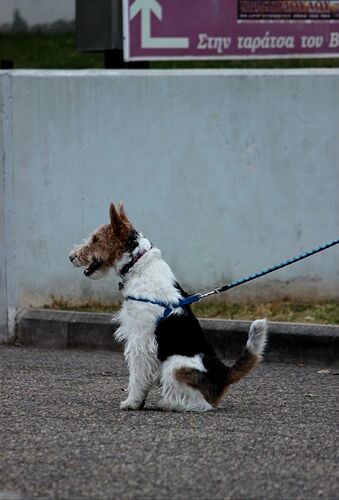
x=230, y=29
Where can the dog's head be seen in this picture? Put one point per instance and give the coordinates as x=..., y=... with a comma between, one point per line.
x=103, y=249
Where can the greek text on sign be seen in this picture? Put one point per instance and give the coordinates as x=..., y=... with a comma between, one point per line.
x=232, y=29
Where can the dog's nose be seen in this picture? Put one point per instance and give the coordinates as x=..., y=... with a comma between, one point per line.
x=71, y=258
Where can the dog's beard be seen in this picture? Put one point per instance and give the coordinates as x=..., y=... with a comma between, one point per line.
x=97, y=269
x=99, y=273
x=93, y=268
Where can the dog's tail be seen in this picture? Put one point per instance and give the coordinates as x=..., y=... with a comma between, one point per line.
x=252, y=354
x=214, y=390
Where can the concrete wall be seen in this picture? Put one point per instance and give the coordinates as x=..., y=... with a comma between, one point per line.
x=21, y=15
x=226, y=171
x=3, y=264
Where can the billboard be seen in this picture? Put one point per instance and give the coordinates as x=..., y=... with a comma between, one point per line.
x=230, y=29
x=281, y=10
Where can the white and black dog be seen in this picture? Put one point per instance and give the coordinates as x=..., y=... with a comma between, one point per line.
x=172, y=352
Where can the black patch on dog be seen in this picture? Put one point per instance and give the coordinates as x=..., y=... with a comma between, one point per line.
x=132, y=241
x=216, y=377
x=182, y=335
x=94, y=266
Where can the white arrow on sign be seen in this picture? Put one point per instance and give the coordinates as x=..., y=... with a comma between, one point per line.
x=146, y=8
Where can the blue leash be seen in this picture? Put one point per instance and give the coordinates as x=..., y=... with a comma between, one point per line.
x=168, y=308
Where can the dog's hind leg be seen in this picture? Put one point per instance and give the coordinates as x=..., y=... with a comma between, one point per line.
x=214, y=378
x=176, y=394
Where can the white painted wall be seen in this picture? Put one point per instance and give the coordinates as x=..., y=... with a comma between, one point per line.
x=226, y=171
x=37, y=12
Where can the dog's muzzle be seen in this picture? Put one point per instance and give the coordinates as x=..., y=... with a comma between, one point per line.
x=94, y=266
x=75, y=261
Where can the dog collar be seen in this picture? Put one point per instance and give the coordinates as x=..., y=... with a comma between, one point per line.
x=130, y=264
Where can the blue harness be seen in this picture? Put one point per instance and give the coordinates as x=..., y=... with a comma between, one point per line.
x=168, y=308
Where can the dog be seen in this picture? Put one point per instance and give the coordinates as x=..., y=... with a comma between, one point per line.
x=172, y=352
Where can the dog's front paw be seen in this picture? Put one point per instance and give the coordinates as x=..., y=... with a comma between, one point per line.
x=130, y=404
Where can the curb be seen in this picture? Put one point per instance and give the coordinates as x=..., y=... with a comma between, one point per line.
x=288, y=342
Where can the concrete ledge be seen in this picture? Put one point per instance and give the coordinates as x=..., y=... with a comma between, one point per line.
x=61, y=329
x=288, y=342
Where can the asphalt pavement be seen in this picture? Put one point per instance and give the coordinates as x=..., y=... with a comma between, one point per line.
x=62, y=434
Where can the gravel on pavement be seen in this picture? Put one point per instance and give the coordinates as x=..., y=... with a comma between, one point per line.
x=62, y=434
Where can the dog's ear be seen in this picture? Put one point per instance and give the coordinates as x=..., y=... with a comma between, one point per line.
x=115, y=218
x=122, y=213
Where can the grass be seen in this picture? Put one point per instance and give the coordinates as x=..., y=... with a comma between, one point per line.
x=93, y=306
x=45, y=51
x=250, y=64
x=286, y=311
x=327, y=312
x=58, y=51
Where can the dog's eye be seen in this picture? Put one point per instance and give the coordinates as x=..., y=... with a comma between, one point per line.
x=95, y=239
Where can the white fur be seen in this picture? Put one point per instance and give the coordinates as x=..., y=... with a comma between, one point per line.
x=137, y=324
x=257, y=338
x=150, y=278
x=176, y=395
